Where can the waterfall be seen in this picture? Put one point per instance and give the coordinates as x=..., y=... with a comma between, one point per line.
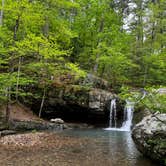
x=127, y=119
x=112, y=121
x=128, y=116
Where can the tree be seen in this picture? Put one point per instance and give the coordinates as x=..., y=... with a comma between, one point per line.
x=120, y=41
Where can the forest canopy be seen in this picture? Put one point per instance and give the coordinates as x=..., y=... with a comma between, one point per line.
x=122, y=42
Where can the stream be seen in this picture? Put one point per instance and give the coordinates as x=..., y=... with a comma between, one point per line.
x=111, y=148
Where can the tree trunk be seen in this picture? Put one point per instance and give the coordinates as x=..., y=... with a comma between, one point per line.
x=98, y=43
x=42, y=102
x=46, y=27
x=1, y=13
x=18, y=77
x=8, y=106
x=16, y=28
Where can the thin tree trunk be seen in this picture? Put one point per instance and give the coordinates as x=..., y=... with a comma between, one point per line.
x=16, y=28
x=19, y=62
x=46, y=27
x=18, y=77
x=8, y=106
x=1, y=13
x=42, y=102
x=99, y=40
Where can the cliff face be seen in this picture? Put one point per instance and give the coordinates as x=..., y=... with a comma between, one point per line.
x=90, y=93
x=76, y=103
x=88, y=98
x=95, y=99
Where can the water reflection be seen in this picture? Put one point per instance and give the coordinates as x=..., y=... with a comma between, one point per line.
x=115, y=147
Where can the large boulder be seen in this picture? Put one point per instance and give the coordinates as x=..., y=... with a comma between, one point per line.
x=150, y=137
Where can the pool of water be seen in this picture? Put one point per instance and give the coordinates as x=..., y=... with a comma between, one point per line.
x=110, y=148
x=81, y=147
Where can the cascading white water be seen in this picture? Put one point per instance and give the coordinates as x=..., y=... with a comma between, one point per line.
x=128, y=116
x=112, y=121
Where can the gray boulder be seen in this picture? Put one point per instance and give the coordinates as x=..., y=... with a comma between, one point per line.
x=57, y=121
x=150, y=137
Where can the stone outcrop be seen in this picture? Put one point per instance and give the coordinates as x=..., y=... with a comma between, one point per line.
x=95, y=99
x=90, y=93
x=96, y=82
x=139, y=114
x=83, y=101
x=99, y=98
x=77, y=103
x=34, y=125
x=150, y=137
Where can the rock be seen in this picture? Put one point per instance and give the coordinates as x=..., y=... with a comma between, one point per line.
x=35, y=125
x=96, y=82
x=162, y=90
x=98, y=99
x=87, y=102
x=92, y=99
x=150, y=137
x=3, y=124
x=57, y=121
x=7, y=132
x=139, y=114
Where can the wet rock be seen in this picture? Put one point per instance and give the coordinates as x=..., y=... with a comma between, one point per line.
x=150, y=137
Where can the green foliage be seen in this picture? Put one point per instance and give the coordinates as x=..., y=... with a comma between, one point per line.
x=154, y=100
x=74, y=70
x=41, y=41
x=128, y=93
x=157, y=68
